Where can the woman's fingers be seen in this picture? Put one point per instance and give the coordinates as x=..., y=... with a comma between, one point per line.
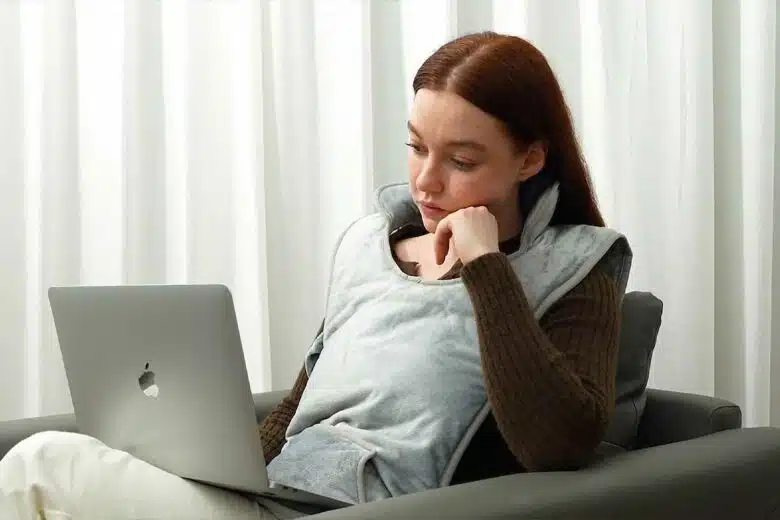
x=441, y=239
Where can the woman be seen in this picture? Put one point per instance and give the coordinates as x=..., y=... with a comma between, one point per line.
x=471, y=324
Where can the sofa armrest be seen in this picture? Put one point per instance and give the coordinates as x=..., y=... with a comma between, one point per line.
x=732, y=474
x=676, y=416
x=11, y=432
x=267, y=401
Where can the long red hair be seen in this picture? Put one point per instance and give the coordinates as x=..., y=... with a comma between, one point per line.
x=510, y=79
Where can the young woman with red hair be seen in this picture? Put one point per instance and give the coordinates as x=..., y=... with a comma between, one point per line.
x=471, y=325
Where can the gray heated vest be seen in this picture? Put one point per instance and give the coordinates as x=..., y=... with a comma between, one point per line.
x=398, y=391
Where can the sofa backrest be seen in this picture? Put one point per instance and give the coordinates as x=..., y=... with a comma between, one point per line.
x=640, y=321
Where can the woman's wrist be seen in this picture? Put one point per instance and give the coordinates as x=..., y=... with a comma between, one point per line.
x=476, y=255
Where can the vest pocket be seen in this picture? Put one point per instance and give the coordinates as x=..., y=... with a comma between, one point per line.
x=363, y=470
x=323, y=461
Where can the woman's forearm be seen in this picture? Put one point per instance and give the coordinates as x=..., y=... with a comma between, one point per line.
x=550, y=382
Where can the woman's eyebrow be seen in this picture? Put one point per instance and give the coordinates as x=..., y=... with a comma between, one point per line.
x=467, y=143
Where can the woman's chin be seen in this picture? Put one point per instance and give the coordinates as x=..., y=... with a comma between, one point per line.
x=430, y=224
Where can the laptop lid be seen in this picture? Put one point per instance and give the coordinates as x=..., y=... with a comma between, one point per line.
x=159, y=372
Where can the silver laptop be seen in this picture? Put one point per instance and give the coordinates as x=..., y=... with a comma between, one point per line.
x=159, y=372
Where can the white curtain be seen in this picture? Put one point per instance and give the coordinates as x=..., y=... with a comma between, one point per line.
x=230, y=141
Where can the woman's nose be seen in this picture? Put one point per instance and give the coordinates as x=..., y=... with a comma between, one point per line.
x=429, y=179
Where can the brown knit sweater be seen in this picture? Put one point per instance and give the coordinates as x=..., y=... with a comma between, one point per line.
x=550, y=383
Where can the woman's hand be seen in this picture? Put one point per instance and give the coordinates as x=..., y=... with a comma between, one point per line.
x=472, y=232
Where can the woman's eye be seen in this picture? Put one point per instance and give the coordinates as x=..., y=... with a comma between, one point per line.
x=416, y=147
x=463, y=165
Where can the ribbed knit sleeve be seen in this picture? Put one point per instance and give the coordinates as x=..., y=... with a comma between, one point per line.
x=274, y=426
x=551, y=382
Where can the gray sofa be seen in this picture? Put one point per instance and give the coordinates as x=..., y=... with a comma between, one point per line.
x=667, y=455
x=693, y=461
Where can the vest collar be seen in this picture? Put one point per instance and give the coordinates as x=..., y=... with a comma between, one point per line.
x=396, y=203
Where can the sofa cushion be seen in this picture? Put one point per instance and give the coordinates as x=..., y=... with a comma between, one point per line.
x=640, y=321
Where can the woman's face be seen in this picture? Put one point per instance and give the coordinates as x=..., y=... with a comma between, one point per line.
x=460, y=156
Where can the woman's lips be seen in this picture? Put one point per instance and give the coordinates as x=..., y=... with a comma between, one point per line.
x=431, y=211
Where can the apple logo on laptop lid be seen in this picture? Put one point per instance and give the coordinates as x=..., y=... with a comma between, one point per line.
x=147, y=383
